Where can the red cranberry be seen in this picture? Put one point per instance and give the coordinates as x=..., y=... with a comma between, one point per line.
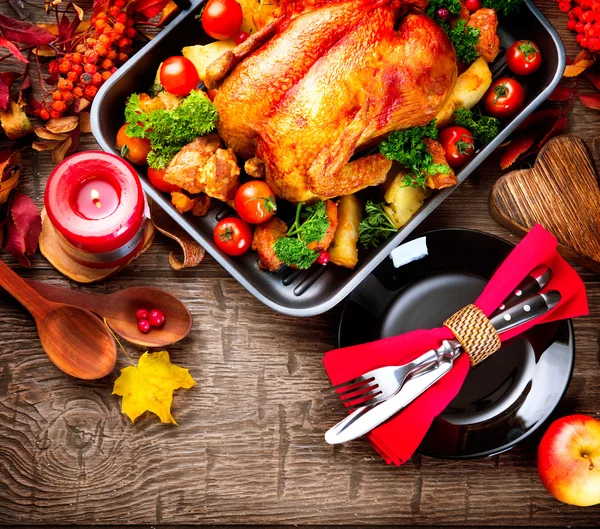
x=242, y=36
x=473, y=5
x=443, y=13
x=141, y=314
x=323, y=258
x=143, y=325
x=156, y=318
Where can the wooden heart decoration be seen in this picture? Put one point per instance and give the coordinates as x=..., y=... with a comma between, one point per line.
x=560, y=192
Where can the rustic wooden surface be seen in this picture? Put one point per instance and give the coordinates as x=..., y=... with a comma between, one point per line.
x=249, y=446
x=519, y=201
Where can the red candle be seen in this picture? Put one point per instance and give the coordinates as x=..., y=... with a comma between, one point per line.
x=97, y=206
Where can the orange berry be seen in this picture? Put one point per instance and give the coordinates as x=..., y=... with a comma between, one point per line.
x=122, y=18
x=119, y=28
x=100, y=49
x=101, y=16
x=56, y=95
x=55, y=114
x=78, y=92
x=65, y=84
x=91, y=91
x=44, y=114
x=77, y=58
x=100, y=24
x=104, y=39
x=36, y=112
x=130, y=32
x=90, y=68
x=106, y=76
x=124, y=42
x=91, y=42
x=112, y=54
x=72, y=76
x=91, y=57
x=64, y=66
x=86, y=78
x=120, y=3
x=67, y=96
x=114, y=11
x=130, y=22
x=122, y=57
x=77, y=68
x=52, y=67
x=97, y=79
x=106, y=64
x=59, y=106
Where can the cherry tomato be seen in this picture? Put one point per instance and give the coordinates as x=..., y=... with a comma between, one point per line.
x=255, y=202
x=157, y=179
x=504, y=98
x=222, y=19
x=523, y=57
x=458, y=144
x=242, y=36
x=134, y=149
x=233, y=236
x=473, y=5
x=178, y=75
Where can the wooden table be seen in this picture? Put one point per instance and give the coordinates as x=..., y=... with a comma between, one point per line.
x=249, y=447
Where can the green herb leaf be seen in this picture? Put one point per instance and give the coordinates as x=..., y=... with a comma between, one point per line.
x=483, y=128
x=463, y=38
x=293, y=252
x=376, y=226
x=506, y=7
x=316, y=223
x=453, y=7
x=170, y=130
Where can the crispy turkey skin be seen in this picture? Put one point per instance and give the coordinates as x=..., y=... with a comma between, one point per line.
x=326, y=79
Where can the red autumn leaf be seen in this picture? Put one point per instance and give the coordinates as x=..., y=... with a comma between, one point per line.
x=13, y=48
x=584, y=55
x=24, y=228
x=540, y=117
x=149, y=8
x=590, y=100
x=23, y=32
x=555, y=130
x=593, y=76
x=561, y=93
x=6, y=80
x=519, y=145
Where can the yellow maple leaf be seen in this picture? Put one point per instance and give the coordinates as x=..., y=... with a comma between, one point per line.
x=149, y=386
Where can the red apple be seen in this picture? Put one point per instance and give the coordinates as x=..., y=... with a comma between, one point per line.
x=569, y=460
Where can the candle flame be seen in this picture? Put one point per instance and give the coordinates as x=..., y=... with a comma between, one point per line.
x=96, y=198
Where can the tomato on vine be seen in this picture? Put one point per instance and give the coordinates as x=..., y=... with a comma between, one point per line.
x=222, y=19
x=458, y=144
x=134, y=149
x=504, y=98
x=178, y=75
x=523, y=57
x=232, y=236
x=255, y=202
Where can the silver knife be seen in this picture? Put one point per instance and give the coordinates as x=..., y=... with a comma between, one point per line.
x=366, y=419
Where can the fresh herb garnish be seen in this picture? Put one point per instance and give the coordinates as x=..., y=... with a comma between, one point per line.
x=506, y=7
x=156, y=89
x=170, y=130
x=376, y=226
x=408, y=149
x=464, y=39
x=529, y=50
x=483, y=128
x=309, y=226
x=453, y=7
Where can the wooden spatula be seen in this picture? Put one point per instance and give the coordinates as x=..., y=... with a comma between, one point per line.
x=560, y=192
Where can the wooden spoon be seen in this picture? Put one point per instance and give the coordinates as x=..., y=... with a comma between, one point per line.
x=119, y=310
x=75, y=340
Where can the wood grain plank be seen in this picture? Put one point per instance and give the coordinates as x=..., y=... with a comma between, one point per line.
x=249, y=447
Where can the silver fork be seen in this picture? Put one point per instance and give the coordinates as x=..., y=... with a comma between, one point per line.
x=383, y=383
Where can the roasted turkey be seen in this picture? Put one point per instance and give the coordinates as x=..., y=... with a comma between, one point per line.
x=325, y=80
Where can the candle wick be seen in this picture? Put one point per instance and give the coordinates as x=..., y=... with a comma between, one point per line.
x=96, y=198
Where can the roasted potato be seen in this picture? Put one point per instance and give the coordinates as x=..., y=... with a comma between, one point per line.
x=403, y=202
x=202, y=56
x=344, y=250
x=470, y=87
x=256, y=13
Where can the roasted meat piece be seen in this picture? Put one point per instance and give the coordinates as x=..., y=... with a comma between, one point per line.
x=486, y=20
x=441, y=180
x=265, y=237
x=203, y=167
x=325, y=80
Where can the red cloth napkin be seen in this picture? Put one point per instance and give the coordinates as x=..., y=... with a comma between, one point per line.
x=398, y=438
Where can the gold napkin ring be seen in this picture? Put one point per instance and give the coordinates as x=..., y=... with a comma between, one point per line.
x=475, y=333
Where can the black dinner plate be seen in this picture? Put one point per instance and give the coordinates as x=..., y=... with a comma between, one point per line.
x=506, y=397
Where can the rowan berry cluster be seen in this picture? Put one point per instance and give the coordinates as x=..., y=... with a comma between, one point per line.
x=584, y=19
x=106, y=45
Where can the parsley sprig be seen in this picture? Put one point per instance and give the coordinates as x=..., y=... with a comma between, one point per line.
x=170, y=130
x=376, y=226
x=408, y=149
x=309, y=225
x=464, y=39
x=506, y=7
x=483, y=128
